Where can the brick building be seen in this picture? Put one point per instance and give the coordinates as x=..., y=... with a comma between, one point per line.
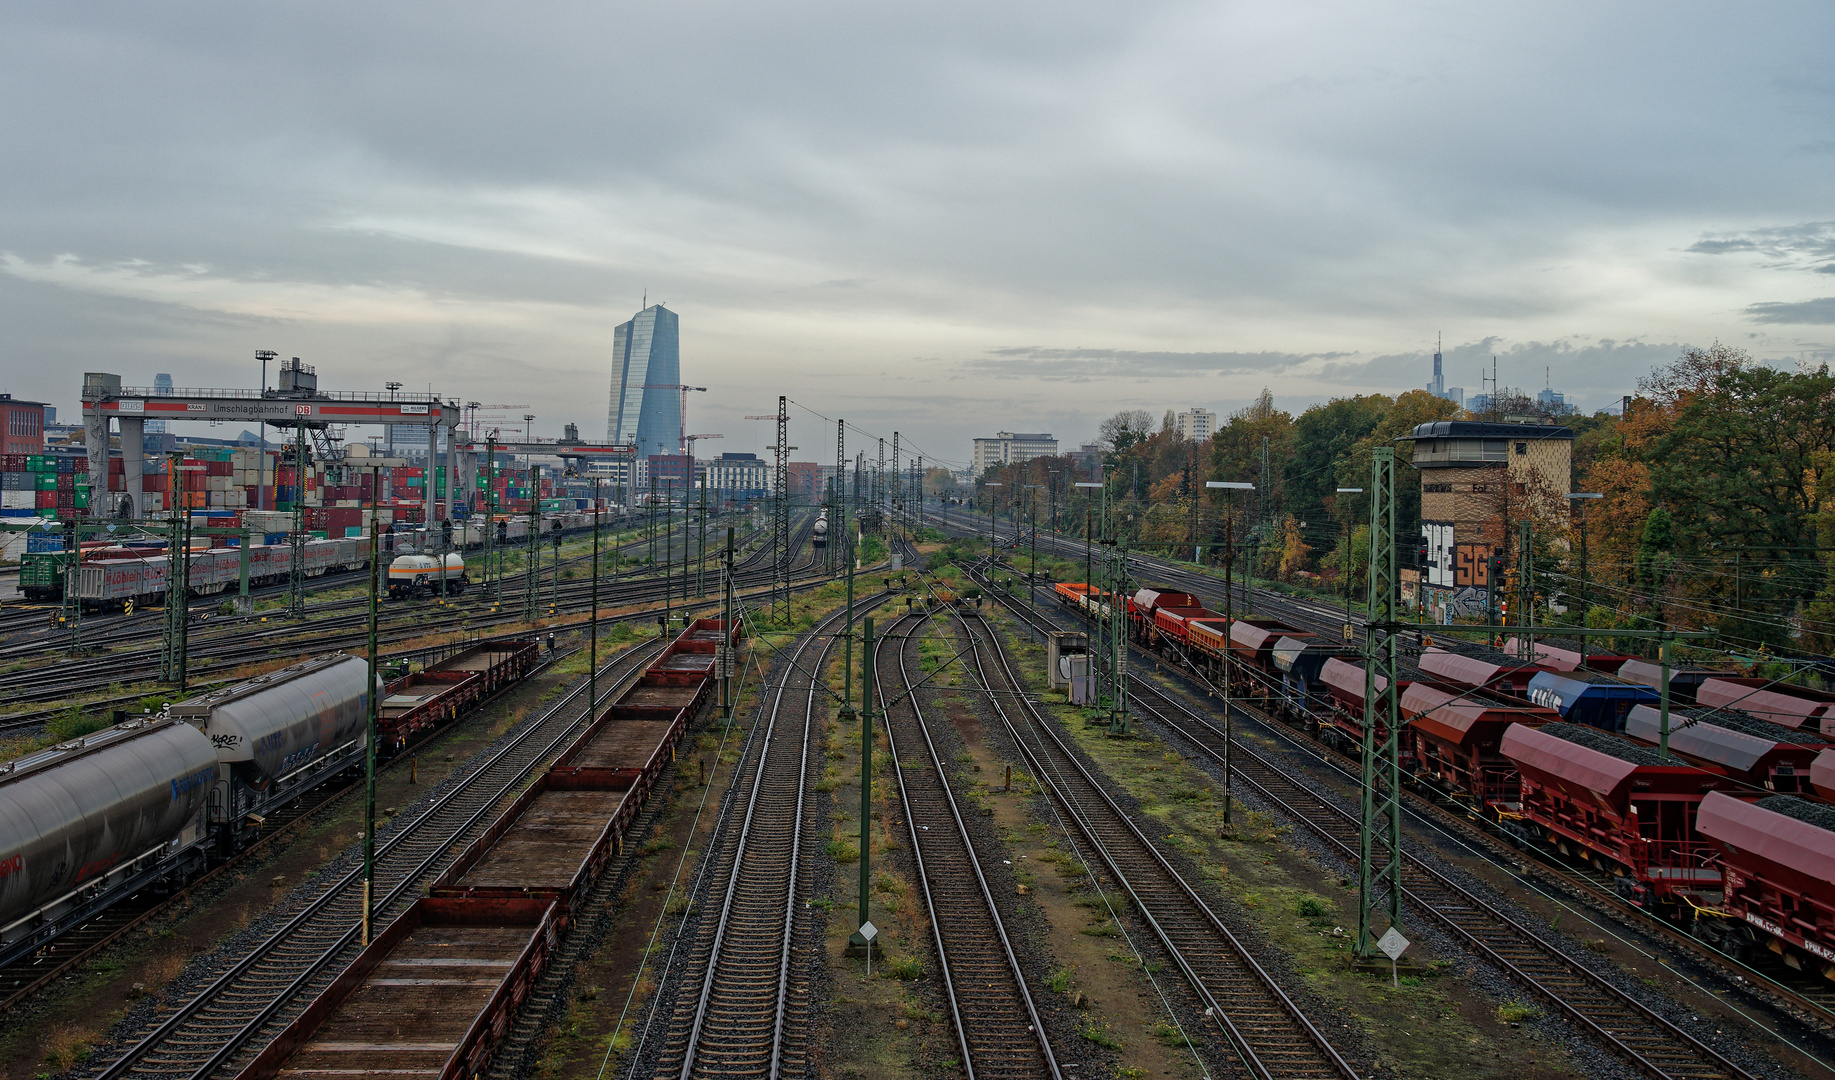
x=1477, y=481
x=22, y=426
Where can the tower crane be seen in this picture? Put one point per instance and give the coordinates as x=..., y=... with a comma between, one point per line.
x=681, y=437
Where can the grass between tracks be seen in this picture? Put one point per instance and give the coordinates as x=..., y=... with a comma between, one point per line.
x=1435, y=1023
x=626, y=965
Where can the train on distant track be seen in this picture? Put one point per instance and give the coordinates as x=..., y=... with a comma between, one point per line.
x=111, y=573
x=1559, y=750
x=818, y=536
x=149, y=803
x=491, y=920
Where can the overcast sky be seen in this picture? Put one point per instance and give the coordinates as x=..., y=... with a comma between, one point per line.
x=947, y=218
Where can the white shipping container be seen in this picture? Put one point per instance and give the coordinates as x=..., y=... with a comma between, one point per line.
x=13, y=499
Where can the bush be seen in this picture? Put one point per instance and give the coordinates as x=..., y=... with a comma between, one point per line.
x=1311, y=907
x=75, y=723
x=843, y=852
x=902, y=967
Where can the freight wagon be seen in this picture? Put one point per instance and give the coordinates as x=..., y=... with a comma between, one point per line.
x=149, y=802
x=118, y=576
x=1777, y=858
x=1600, y=799
x=438, y=989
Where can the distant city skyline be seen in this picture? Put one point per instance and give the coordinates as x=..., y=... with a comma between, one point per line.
x=929, y=219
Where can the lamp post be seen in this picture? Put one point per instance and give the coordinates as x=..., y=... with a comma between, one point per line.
x=1032, y=513
x=991, y=509
x=592, y=630
x=1347, y=563
x=1585, y=600
x=1230, y=488
x=376, y=465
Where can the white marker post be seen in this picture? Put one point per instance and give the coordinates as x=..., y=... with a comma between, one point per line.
x=868, y=932
x=1393, y=945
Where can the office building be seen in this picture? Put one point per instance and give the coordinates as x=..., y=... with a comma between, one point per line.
x=1197, y=425
x=1007, y=447
x=738, y=476
x=646, y=409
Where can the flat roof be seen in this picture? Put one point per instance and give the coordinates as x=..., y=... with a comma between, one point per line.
x=1476, y=429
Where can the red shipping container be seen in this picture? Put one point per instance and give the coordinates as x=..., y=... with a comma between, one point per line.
x=117, y=466
x=220, y=468
x=117, y=482
x=66, y=482
x=47, y=500
x=153, y=482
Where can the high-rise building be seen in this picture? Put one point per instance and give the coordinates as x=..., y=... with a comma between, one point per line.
x=162, y=385
x=646, y=352
x=1197, y=425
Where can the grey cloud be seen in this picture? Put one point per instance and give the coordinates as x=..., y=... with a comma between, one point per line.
x=1084, y=365
x=1819, y=312
x=1811, y=240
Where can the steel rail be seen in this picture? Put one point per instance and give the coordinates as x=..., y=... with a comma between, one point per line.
x=1452, y=900
x=1000, y=1023
x=1328, y=1060
x=740, y=877
x=345, y=885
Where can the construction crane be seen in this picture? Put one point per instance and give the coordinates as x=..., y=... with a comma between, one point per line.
x=681, y=431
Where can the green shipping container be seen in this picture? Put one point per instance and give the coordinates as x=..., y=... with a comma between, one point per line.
x=36, y=463
x=82, y=498
x=47, y=481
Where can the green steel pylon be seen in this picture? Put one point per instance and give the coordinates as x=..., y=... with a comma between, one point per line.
x=1379, y=856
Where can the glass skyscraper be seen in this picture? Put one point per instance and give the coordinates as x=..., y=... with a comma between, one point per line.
x=646, y=351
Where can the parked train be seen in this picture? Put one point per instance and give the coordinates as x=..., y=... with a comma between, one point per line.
x=111, y=574
x=494, y=916
x=1559, y=751
x=818, y=537
x=150, y=802
x=118, y=576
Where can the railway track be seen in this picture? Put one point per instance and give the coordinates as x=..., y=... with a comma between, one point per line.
x=1267, y=1035
x=28, y=975
x=990, y=1007
x=744, y=1005
x=239, y=1010
x=1620, y=1023
x=105, y=627
x=244, y=641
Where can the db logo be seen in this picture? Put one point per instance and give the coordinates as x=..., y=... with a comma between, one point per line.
x=302, y=410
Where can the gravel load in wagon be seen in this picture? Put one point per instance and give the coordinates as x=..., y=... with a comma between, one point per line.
x=1595, y=739
x=1817, y=814
x=1744, y=724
